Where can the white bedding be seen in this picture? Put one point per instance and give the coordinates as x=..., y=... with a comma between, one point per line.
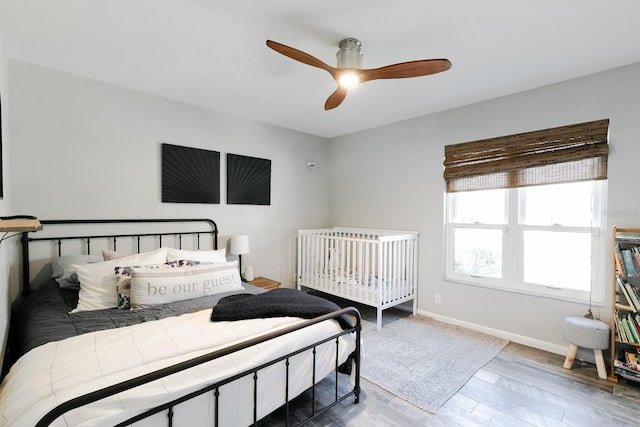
x=56, y=372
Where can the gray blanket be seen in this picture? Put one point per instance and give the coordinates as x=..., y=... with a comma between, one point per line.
x=44, y=316
x=276, y=303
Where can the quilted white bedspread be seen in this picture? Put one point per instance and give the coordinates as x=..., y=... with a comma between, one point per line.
x=58, y=371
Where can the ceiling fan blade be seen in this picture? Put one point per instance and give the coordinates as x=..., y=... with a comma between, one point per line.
x=335, y=98
x=403, y=70
x=300, y=56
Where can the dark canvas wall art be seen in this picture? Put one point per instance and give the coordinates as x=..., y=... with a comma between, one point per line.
x=248, y=180
x=190, y=175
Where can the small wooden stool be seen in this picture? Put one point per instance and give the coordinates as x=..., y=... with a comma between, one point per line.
x=587, y=333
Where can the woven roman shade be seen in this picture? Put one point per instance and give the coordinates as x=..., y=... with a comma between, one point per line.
x=564, y=154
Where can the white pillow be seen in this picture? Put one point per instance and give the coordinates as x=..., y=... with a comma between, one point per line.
x=212, y=255
x=153, y=286
x=65, y=275
x=98, y=281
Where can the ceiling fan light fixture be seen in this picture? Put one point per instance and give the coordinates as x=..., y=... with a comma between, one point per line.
x=349, y=61
x=349, y=79
x=350, y=53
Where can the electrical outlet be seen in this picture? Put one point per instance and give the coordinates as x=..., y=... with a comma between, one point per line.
x=438, y=298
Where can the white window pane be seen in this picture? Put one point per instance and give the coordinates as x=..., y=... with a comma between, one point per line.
x=556, y=259
x=485, y=207
x=564, y=204
x=478, y=252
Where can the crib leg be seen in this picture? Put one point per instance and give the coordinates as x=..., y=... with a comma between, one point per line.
x=379, y=318
x=415, y=305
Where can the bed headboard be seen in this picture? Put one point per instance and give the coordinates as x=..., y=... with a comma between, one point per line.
x=95, y=234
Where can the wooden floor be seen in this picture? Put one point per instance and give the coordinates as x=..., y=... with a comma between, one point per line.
x=520, y=387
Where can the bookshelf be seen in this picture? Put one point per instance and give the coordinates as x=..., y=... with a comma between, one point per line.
x=625, y=321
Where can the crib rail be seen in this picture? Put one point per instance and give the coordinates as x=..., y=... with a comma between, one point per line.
x=373, y=267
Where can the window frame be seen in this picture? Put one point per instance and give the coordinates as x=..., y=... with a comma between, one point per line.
x=513, y=260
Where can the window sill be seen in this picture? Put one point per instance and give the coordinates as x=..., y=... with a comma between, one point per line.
x=595, y=302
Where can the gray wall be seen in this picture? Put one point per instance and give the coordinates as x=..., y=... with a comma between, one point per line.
x=391, y=177
x=84, y=149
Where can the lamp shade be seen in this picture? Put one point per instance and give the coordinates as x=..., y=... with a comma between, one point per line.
x=239, y=245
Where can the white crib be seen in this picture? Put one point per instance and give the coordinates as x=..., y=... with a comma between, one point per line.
x=378, y=268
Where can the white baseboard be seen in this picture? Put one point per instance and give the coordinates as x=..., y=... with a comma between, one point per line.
x=520, y=339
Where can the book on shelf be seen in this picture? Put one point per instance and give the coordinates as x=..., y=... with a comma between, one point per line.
x=627, y=327
x=633, y=293
x=635, y=253
x=629, y=263
x=633, y=329
x=617, y=253
x=621, y=368
x=622, y=337
x=631, y=360
x=632, y=237
x=625, y=290
x=627, y=330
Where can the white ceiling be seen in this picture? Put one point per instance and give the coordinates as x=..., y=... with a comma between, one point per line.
x=212, y=53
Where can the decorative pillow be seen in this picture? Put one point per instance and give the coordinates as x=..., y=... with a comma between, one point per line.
x=65, y=275
x=108, y=255
x=123, y=280
x=153, y=286
x=98, y=281
x=213, y=255
x=123, y=287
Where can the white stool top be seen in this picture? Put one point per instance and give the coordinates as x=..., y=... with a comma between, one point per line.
x=588, y=333
x=583, y=322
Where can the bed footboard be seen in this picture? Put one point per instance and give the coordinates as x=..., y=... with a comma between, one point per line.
x=168, y=407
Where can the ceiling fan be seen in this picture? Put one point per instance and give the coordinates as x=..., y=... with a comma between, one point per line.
x=349, y=72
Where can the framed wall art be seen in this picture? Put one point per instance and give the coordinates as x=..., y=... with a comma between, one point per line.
x=248, y=180
x=190, y=175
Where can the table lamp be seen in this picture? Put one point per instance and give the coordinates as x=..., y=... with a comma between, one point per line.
x=239, y=246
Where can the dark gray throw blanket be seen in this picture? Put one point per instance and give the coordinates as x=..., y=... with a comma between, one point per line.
x=44, y=316
x=276, y=303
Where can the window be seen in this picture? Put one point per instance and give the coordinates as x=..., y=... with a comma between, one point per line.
x=544, y=240
x=536, y=227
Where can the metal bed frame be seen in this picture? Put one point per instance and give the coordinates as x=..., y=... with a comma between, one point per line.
x=26, y=239
x=254, y=372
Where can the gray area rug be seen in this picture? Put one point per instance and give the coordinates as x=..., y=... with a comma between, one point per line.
x=424, y=361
